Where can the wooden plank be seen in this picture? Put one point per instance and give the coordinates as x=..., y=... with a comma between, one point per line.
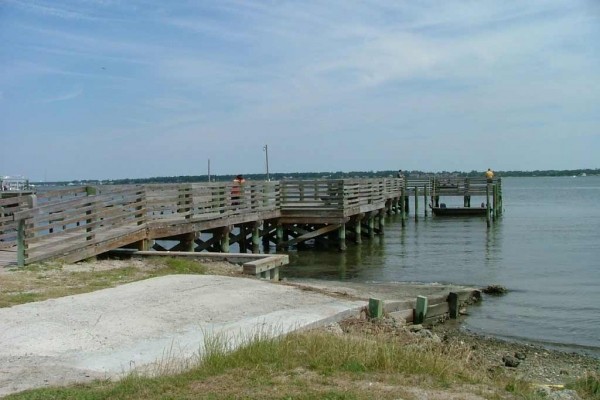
x=437, y=310
x=265, y=264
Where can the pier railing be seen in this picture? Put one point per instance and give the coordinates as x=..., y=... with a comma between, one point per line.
x=336, y=194
x=78, y=222
x=85, y=224
x=195, y=202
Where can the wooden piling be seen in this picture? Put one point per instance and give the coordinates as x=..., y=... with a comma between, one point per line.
x=342, y=237
x=453, y=305
x=375, y=308
x=358, y=228
x=487, y=205
x=402, y=207
x=381, y=222
x=225, y=239
x=425, y=199
x=256, y=237
x=420, y=310
x=416, y=203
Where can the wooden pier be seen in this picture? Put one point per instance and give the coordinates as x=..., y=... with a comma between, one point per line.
x=81, y=222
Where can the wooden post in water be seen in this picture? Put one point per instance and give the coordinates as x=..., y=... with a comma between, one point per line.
x=342, y=237
x=499, y=196
x=381, y=221
x=494, y=203
x=487, y=205
x=371, y=224
x=425, y=199
x=416, y=203
x=402, y=208
x=358, y=228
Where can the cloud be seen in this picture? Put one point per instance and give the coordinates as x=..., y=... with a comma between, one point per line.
x=64, y=96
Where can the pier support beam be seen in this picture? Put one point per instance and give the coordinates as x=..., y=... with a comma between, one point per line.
x=256, y=237
x=358, y=228
x=342, y=237
x=487, y=205
x=371, y=224
x=402, y=207
x=381, y=222
x=416, y=203
x=187, y=242
x=224, y=238
x=279, y=234
x=425, y=199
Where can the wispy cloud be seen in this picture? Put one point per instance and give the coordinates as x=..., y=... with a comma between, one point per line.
x=70, y=95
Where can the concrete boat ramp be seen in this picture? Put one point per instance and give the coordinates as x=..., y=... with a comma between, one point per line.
x=108, y=333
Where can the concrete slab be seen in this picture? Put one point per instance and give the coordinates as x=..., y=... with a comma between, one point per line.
x=108, y=333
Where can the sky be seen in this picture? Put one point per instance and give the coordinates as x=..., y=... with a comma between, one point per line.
x=108, y=89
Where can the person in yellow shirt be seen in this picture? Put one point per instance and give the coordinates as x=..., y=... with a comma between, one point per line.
x=489, y=174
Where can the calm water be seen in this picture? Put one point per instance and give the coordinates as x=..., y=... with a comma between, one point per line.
x=545, y=249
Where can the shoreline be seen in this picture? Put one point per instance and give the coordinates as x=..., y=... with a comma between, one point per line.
x=540, y=365
x=543, y=364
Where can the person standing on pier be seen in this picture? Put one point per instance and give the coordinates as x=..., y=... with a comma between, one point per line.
x=236, y=190
x=489, y=175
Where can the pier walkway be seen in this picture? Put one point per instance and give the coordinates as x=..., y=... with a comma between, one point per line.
x=76, y=223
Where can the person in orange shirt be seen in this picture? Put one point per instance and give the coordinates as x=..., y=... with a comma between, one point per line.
x=236, y=190
x=489, y=174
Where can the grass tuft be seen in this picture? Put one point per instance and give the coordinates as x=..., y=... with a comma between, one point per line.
x=588, y=386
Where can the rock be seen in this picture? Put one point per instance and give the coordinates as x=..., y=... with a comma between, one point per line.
x=495, y=290
x=520, y=356
x=510, y=361
x=566, y=394
x=463, y=311
x=415, y=328
x=334, y=328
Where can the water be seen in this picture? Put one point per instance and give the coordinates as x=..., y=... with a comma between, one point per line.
x=545, y=249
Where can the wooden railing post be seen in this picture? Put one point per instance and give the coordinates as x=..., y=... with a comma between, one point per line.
x=184, y=201
x=90, y=191
x=21, y=244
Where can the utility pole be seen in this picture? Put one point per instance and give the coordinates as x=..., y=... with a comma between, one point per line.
x=209, y=169
x=266, y=149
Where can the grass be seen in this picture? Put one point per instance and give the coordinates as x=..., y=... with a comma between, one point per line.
x=309, y=365
x=588, y=387
x=44, y=281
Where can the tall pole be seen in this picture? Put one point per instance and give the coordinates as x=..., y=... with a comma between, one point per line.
x=209, y=169
x=266, y=149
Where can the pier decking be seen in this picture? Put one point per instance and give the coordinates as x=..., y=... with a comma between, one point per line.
x=77, y=223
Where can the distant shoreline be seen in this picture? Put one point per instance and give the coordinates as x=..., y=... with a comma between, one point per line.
x=320, y=175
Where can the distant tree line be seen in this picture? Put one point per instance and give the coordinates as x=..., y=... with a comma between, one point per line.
x=326, y=175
